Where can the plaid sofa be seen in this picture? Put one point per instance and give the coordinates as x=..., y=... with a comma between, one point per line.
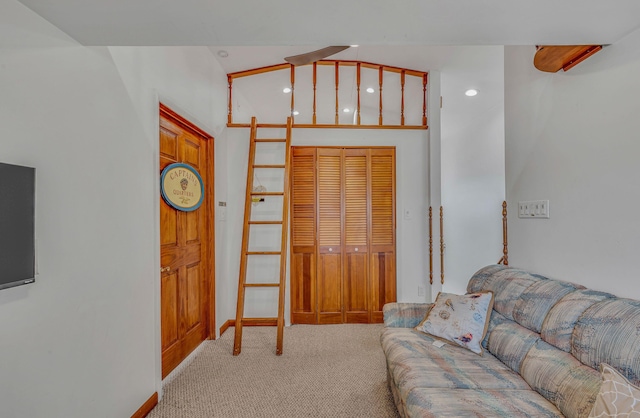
x=545, y=342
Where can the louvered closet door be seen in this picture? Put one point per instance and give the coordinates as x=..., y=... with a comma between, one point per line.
x=343, y=234
x=382, y=276
x=303, y=236
x=329, y=216
x=356, y=231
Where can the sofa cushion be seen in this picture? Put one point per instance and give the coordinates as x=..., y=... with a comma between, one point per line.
x=476, y=283
x=510, y=343
x=460, y=403
x=404, y=315
x=561, y=319
x=560, y=378
x=537, y=300
x=413, y=361
x=460, y=319
x=507, y=285
x=617, y=397
x=609, y=332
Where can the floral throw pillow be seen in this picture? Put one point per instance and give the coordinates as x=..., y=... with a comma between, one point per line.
x=460, y=319
x=617, y=396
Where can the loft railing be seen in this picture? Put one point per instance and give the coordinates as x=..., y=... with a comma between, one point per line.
x=357, y=120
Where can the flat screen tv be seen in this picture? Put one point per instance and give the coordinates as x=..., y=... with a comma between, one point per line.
x=17, y=225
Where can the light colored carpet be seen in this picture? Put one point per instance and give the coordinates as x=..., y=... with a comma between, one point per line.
x=324, y=371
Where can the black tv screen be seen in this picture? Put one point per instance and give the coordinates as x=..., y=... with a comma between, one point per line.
x=17, y=225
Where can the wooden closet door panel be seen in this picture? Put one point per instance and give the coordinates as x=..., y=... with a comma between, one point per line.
x=382, y=278
x=303, y=236
x=329, y=227
x=356, y=231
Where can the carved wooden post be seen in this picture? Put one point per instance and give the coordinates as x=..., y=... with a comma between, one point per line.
x=505, y=244
x=337, y=82
x=424, y=100
x=441, y=245
x=315, y=81
x=293, y=82
x=380, y=77
x=430, y=245
x=230, y=105
x=358, y=84
x=402, y=98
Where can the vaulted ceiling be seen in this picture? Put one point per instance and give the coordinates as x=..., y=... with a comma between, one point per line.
x=332, y=22
x=458, y=37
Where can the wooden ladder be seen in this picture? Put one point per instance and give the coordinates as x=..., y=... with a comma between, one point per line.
x=248, y=223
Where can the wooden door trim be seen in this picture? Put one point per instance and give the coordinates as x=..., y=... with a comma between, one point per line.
x=171, y=115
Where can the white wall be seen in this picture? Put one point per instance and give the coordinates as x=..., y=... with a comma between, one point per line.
x=472, y=165
x=84, y=339
x=573, y=138
x=411, y=194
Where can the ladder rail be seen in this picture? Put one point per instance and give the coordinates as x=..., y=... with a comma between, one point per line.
x=237, y=342
x=283, y=240
x=281, y=284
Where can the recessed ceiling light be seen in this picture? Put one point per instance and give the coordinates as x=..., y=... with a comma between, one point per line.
x=471, y=92
x=296, y=113
x=354, y=46
x=370, y=90
x=223, y=54
x=286, y=90
x=346, y=110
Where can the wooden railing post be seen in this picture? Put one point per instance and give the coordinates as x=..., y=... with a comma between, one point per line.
x=315, y=81
x=293, y=82
x=505, y=243
x=441, y=245
x=358, y=84
x=380, y=77
x=230, y=105
x=402, y=98
x=337, y=78
x=424, y=100
x=430, y=245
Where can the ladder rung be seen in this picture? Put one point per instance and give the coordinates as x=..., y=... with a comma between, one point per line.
x=259, y=320
x=270, y=140
x=267, y=193
x=263, y=252
x=265, y=222
x=268, y=166
x=262, y=285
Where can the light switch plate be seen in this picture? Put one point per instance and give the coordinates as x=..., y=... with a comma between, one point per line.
x=533, y=209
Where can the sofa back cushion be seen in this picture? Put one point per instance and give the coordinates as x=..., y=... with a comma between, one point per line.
x=511, y=342
x=531, y=309
x=507, y=285
x=557, y=328
x=609, y=332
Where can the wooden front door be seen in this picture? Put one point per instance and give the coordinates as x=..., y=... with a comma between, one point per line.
x=186, y=246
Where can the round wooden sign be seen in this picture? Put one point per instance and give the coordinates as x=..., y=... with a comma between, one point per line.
x=181, y=187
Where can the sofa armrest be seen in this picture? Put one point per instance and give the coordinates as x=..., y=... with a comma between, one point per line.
x=404, y=315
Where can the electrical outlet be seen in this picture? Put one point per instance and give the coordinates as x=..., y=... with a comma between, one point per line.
x=420, y=290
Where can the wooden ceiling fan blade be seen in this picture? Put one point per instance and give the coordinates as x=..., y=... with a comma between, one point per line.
x=552, y=58
x=314, y=56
